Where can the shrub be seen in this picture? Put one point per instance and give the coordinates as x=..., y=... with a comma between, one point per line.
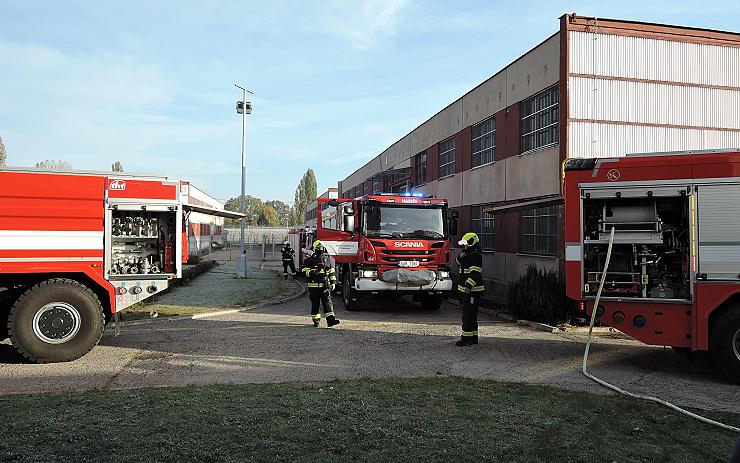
x=539, y=295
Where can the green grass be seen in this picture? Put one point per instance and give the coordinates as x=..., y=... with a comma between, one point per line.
x=217, y=290
x=417, y=420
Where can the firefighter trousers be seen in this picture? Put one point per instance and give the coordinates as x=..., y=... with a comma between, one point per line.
x=288, y=263
x=470, y=315
x=319, y=297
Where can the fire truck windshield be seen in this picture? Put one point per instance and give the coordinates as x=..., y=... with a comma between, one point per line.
x=403, y=222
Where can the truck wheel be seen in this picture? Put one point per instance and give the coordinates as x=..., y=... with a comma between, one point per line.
x=349, y=294
x=725, y=344
x=431, y=302
x=56, y=321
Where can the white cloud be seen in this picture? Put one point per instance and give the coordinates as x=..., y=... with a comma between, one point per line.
x=362, y=23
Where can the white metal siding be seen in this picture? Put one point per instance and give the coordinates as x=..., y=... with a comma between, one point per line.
x=677, y=101
x=626, y=101
x=654, y=59
x=589, y=140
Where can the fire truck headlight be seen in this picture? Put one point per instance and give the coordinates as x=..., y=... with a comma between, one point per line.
x=443, y=274
x=369, y=273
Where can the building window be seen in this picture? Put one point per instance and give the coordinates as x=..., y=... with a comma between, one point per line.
x=421, y=168
x=484, y=142
x=366, y=187
x=484, y=226
x=538, y=230
x=539, y=126
x=447, y=157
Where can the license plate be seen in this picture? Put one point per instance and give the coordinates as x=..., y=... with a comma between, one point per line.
x=408, y=263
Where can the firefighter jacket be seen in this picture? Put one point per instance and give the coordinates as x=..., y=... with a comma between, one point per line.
x=287, y=253
x=319, y=271
x=470, y=264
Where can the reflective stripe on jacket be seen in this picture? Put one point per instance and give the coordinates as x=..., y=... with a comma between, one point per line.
x=470, y=263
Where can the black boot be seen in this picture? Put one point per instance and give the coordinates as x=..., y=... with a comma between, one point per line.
x=466, y=341
x=285, y=275
x=316, y=323
x=331, y=322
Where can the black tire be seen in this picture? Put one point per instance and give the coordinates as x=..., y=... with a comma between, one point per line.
x=431, y=302
x=57, y=320
x=349, y=294
x=724, y=344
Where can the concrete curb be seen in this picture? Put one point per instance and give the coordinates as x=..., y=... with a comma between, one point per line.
x=199, y=316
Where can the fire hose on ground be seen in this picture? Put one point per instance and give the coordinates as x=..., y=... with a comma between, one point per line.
x=620, y=390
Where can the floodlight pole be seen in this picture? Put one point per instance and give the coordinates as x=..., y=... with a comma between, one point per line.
x=246, y=107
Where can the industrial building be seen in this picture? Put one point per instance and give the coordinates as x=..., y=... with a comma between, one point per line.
x=203, y=229
x=595, y=88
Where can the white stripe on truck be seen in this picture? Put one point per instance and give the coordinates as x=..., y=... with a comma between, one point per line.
x=17, y=240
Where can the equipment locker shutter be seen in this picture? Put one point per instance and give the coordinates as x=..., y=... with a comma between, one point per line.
x=719, y=231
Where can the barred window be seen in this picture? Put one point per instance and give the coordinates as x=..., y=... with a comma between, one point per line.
x=447, y=157
x=484, y=142
x=420, y=160
x=539, y=125
x=345, y=194
x=483, y=225
x=366, y=187
x=538, y=230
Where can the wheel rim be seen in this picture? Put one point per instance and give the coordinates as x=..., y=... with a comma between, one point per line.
x=56, y=322
x=736, y=343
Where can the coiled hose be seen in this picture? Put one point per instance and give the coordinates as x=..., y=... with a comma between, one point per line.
x=618, y=389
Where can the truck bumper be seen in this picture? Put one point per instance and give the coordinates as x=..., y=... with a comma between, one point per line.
x=368, y=284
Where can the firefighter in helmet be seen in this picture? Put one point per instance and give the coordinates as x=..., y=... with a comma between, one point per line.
x=470, y=285
x=288, y=254
x=321, y=281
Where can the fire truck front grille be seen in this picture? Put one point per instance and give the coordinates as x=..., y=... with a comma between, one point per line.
x=398, y=255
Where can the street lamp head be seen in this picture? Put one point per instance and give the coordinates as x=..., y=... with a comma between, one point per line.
x=240, y=106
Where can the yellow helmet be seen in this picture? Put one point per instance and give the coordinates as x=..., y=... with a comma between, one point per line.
x=317, y=244
x=469, y=239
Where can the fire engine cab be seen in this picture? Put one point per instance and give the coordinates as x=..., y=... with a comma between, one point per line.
x=674, y=273
x=389, y=244
x=78, y=247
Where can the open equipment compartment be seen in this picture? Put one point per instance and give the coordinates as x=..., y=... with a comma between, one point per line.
x=651, y=253
x=143, y=241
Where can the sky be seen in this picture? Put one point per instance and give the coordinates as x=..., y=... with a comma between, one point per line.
x=151, y=83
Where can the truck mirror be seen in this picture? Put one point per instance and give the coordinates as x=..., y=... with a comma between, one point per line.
x=349, y=209
x=454, y=214
x=453, y=225
x=349, y=223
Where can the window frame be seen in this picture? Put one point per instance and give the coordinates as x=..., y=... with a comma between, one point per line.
x=551, y=128
x=482, y=137
x=418, y=164
x=450, y=164
x=543, y=235
x=486, y=232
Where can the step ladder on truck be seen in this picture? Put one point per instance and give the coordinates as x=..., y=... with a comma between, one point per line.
x=78, y=247
x=674, y=274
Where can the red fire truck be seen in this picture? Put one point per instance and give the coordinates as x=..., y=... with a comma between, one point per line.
x=674, y=274
x=387, y=243
x=77, y=247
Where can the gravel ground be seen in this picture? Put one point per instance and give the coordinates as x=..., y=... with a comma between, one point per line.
x=392, y=338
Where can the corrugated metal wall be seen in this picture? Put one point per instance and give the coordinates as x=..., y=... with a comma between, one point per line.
x=634, y=94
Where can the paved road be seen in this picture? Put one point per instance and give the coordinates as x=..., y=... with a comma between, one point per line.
x=392, y=338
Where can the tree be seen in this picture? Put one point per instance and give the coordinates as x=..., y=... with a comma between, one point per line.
x=53, y=165
x=281, y=209
x=269, y=217
x=3, y=153
x=117, y=167
x=304, y=195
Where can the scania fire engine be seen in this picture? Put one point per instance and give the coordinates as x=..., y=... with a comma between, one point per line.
x=674, y=274
x=78, y=247
x=385, y=243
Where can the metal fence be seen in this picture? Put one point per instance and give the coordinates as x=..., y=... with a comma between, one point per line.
x=260, y=243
